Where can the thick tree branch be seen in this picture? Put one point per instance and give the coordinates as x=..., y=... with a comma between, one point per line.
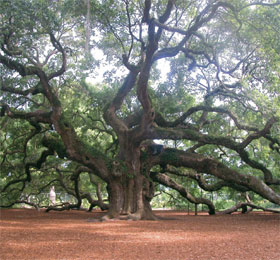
x=18, y=67
x=194, y=135
x=213, y=167
x=111, y=109
x=36, y=116
x=167, y=181
x=146, y=13
x=262, y=133
x=202, y=183
x=244, y=205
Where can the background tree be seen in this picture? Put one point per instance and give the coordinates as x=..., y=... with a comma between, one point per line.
x=203, y=75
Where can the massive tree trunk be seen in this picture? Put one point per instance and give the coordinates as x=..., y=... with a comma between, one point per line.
x=127, y=181
x=129, y=190
x=128, y=199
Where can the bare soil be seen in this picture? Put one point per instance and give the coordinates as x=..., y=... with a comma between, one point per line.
x=32, y=235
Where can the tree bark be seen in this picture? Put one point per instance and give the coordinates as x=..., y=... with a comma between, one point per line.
x=244, y=206
x=129, y=198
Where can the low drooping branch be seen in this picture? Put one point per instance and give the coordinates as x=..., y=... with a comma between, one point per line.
x=86, y=195
x=167, y=181
x=202, y=183
x=213, y=167
x=94, y=203
x=28, y=165
x=244, y=206
x=99, y=201
x=62, y=207
x=188, y=133
x=21, y=202
x=77, y=193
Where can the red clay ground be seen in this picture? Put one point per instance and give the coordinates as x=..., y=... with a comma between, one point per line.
x=31, y=235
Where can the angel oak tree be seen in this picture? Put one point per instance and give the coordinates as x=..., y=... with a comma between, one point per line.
x=219, y=100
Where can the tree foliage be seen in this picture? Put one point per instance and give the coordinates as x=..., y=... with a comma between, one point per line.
x=199, y=77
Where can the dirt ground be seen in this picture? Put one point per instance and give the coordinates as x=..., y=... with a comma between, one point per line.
x=32, y=235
